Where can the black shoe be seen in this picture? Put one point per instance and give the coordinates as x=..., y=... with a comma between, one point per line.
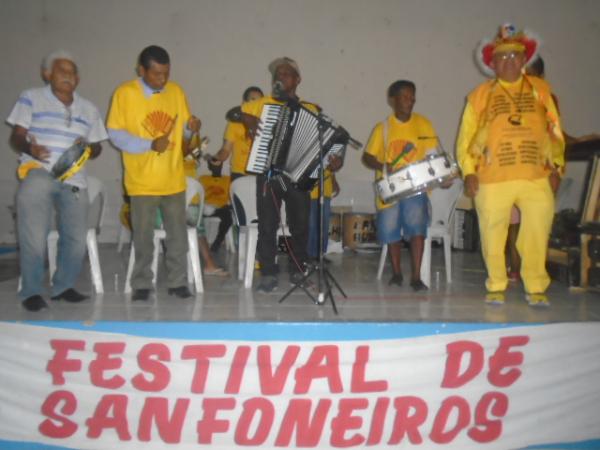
x=34, y=303
x=141, y=294
x=180, y=291
x=267, y=283
x=418, y=285
x=71, y=296
x=397, y=279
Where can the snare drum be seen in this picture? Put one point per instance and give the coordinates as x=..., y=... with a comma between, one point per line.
x=71, y=161
x=359, y=230
x=415, y=178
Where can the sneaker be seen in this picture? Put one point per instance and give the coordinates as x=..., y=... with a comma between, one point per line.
x=539, y=299
x=494, y=298
x=70, y=295
x=418, y=285
x=180, y=292
x=396, y=279
x=267, y=283
x=34, y=303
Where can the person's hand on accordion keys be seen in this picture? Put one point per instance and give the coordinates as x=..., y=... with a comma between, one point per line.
x=252, y=124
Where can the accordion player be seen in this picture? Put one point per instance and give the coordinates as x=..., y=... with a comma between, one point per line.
x=290, y=140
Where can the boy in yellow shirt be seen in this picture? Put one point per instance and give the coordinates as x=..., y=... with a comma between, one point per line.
x=403, y=138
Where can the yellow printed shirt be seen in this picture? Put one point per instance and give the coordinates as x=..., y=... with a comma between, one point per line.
x=407, y=143
x=151, y=173
x=236, y=134
x=510, y=131
x=216, y=190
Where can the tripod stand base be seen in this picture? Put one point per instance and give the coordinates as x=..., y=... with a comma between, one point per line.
x=324, y=284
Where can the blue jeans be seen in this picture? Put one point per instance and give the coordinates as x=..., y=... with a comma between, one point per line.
x=404, y=219
x=313, y=226
x=38, y=196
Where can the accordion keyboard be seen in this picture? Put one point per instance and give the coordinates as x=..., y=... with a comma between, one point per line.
x=259, y=160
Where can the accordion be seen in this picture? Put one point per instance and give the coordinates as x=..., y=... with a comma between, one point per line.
x=289, y=142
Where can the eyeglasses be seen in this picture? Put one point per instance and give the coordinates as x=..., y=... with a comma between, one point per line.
x=507, y=56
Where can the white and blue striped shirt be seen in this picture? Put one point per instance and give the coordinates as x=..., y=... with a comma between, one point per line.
x=57, y=126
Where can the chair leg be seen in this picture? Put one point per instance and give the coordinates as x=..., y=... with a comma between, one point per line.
x=448, y=258
x=96, y=271
x=52, y=250
x=229, y=243
x=157, y=244
x=426, y=263
x=194, y=259
x=127, y=289
x=124, y=235
x=382, y=258
x=252, y=239
x=242, y=247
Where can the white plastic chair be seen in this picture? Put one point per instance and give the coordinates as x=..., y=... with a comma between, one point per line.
x=443, y=205
x=124, y=237
x=95, y=190
x=194, y=269
x=244, y=188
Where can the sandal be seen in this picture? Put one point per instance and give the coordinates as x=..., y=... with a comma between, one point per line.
x=218, y=272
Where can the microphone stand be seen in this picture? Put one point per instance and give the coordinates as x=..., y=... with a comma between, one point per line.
x=324, y=277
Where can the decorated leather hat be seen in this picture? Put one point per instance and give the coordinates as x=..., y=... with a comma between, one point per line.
x=507, y=39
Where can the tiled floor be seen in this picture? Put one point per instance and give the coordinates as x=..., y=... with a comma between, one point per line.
x=225, y=299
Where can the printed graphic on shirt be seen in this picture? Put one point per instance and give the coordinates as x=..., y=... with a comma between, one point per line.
x=516, y=122
x=159, y=123
x=401, y=153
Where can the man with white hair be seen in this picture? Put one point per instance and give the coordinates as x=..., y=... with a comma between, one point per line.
x=48, y=121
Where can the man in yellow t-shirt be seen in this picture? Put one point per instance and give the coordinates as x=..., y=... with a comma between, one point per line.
x=511, y=152
x=403, y=138
x=149, y=120
x=236, y=141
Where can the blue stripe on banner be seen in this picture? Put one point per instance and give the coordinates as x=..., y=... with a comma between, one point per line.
x=279, y=331
x=12, y=445
x=49, y=131
x=584, y=445
x=25, y=101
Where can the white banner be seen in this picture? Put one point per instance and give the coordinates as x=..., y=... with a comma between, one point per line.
x=491, y=389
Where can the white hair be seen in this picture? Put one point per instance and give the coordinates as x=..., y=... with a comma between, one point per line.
x=49, y=60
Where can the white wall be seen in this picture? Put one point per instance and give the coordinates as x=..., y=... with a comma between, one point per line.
x=349, y=51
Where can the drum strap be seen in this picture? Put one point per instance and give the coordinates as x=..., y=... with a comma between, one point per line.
x=386, y=130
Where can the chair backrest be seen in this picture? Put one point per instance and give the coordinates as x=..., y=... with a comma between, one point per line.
x=193, y=190
x=97, y=196
x=443, y=203
x=243, y=195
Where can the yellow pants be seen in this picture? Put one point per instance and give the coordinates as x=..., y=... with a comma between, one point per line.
x=493, y=203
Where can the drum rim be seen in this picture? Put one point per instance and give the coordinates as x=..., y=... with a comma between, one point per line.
x=75, y=165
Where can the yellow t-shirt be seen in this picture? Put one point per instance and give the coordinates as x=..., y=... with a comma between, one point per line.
x=236, y=134
x=407, y=143
x=216, y=190
x=151, y=173
x=500, y=141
